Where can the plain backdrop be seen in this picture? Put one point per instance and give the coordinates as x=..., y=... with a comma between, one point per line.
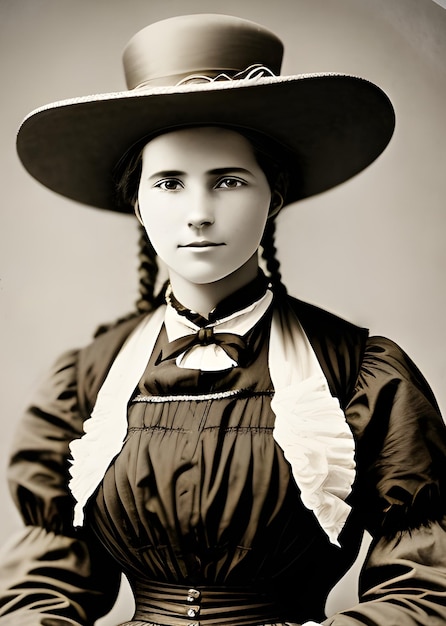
x=371, y=250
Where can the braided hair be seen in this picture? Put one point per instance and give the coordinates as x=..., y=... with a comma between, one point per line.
x=269, y=251
x=127, y=176
x=148, y=272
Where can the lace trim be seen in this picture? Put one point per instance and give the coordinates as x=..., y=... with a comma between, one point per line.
x=204, y=397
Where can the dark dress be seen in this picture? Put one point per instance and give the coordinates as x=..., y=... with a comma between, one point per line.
x=200, y=509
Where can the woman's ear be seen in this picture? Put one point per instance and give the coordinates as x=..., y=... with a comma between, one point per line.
x=276, y=204
x=138, y=212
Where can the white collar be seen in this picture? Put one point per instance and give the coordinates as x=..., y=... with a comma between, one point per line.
x=212, y=357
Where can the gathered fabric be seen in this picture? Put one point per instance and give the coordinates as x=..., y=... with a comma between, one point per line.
x=310, y=426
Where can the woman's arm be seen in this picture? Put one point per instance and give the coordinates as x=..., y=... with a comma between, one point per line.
x=50, y=573
x=400, y=493
x=403, y=582
x=46, y=576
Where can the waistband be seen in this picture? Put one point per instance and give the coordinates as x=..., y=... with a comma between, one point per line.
x=178, y=605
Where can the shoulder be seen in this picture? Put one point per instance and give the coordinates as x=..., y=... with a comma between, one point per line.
x=387, y=369
x=324, y=326
x=95, y=360
x=388, y=360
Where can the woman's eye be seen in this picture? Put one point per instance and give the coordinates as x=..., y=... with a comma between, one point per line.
x=169, y=184
x=229, y=183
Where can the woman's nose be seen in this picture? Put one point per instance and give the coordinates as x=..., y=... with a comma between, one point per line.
x=201, y=213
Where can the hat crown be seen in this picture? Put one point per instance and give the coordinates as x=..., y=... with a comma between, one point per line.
x=166, y=52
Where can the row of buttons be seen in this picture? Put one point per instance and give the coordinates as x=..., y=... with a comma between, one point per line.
x=193, y=595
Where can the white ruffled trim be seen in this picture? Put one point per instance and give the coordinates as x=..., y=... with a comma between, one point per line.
x=318, y=446
x=106, y=429
x=310, y=426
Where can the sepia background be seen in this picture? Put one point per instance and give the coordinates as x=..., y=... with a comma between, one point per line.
x=372, y=250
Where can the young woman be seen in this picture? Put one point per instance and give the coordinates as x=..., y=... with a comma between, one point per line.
x=226, y=446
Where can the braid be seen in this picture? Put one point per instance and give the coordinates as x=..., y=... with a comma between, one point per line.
x=269, y=255
x=127, y=175
x=148, y=272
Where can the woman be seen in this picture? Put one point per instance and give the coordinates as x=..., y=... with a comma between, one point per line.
x=227, y=447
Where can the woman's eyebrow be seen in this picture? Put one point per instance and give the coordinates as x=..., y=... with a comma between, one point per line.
x=219, y=171
x=167, y=174
x=225, y=170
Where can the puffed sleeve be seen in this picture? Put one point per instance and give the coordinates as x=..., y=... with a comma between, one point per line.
x=400, y=493
x=51, y=574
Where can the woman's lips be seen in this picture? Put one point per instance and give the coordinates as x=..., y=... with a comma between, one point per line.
x=201, y=244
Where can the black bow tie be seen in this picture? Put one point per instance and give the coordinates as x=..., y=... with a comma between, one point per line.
x=234, y=345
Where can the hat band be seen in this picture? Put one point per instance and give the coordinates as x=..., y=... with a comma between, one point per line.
x=253, y=72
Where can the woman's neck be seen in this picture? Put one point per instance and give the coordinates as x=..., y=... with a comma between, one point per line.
x=203, y=298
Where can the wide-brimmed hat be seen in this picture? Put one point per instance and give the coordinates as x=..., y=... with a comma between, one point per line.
x=208, y=70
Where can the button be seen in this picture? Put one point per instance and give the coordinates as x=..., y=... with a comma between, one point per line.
x=193, y=593
x=193, y=611
x=194, y=624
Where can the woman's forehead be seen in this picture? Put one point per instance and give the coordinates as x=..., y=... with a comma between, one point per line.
x=203, y=142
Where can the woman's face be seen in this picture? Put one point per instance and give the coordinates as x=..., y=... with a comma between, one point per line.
x=204, y=202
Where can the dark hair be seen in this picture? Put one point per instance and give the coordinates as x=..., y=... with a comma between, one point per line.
x=272, y=159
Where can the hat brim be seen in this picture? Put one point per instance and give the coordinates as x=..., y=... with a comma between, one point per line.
x=332, y=127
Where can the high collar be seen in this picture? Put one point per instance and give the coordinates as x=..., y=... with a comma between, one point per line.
x=236, y=301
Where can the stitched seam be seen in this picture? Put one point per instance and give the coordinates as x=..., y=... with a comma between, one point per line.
x=228, y=429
